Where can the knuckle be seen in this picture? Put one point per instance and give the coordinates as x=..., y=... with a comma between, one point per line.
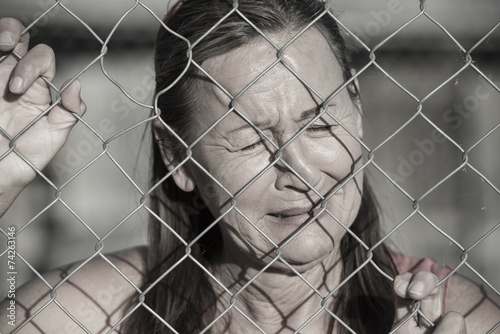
x=398, y=280
x=402, y=278
x=425, y=273
x=427, y=277
x=25, y=37
x=405, y=276
x=12, y=27
x=26, y=67
x=37, y=61
x=453, y=322
x=11, y=23
x=401, y=282
x=455, y=317
x=45, y=50
x=83, y=107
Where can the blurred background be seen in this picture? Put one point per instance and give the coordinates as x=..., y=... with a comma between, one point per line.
x=103, y=197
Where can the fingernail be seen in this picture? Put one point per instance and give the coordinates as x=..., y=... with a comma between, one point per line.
x=16, y=85
x=6, y=38
x=417, y=288
x=402, y=288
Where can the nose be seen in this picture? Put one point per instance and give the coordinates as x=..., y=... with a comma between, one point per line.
x=296, y=156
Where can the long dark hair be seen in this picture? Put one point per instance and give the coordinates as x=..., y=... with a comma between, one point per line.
x=184, y=298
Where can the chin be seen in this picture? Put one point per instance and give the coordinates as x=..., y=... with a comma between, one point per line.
x=305, y=251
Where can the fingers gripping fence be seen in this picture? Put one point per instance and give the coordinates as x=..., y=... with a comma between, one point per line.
x=277, y=160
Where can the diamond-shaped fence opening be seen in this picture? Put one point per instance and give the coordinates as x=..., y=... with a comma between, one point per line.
x=430, y=91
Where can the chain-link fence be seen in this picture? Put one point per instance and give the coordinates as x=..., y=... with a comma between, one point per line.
x=430, y=97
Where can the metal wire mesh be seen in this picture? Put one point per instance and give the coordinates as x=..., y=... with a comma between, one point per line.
x=372, y=64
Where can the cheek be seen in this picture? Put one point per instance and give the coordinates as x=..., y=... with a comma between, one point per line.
x=233, y=174
x=340, y=162
x=338, y=157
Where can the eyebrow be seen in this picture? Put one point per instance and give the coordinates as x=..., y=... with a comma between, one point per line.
x=310, y=113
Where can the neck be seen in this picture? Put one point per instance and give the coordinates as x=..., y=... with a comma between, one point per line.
x=277, y=300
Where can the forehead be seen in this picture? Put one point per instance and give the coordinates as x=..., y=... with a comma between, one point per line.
x=310, y=56
x=279, y=89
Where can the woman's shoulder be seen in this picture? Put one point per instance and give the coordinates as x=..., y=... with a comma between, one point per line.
x=479, y=304
x=93, y=292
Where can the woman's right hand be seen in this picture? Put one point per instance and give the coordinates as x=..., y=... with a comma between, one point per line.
x=24, y=96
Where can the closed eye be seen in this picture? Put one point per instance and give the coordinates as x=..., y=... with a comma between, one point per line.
x=313, y=129
x=252, y=146
x=319, y=129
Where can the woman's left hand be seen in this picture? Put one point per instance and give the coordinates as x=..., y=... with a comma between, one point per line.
x=423, y=287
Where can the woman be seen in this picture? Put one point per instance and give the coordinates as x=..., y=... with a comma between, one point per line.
x=259, y=207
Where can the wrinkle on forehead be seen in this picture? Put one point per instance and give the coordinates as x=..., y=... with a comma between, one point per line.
x=310, y=56
x=236, y=69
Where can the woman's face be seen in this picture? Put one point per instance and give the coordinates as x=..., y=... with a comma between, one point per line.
x=234, y=153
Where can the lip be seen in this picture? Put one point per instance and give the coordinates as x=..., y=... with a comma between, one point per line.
x=294, y=216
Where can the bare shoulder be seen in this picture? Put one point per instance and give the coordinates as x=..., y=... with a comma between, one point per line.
x=96, y=295
x=480, y=305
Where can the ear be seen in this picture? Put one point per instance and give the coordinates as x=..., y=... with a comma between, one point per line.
x=183, y=177
x=357, y=104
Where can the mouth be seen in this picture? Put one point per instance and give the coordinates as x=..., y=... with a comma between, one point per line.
x=296, y=216
x=279, y=216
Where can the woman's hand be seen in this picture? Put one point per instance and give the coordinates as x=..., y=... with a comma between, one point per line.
x=24, y=96
x=423, y=287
